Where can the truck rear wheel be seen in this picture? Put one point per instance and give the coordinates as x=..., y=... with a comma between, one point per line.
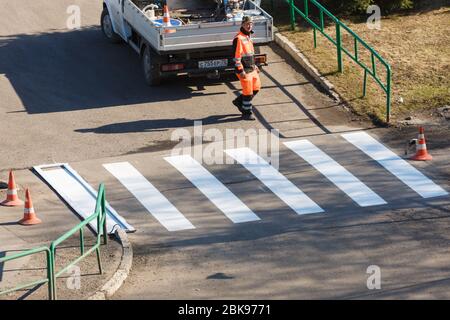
x=151, y=68
x=107, y=27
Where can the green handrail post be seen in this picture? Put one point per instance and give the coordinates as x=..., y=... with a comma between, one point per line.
x=365, y=83
x=101, y=223
x=105, y=232
x=388, y=94
x=315, y=37
x=374, y=66
x=101, y=218
x=51, y=284
x=306, y=8
x=53, y=266
x=339, y=47
x=292, y=12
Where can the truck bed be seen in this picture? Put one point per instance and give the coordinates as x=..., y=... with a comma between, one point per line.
x=195, y=35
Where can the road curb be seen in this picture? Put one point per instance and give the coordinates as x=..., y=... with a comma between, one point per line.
x=290, y=48
x=118, y=278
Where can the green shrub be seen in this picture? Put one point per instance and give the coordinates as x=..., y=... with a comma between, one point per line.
x=347, y=6
x=393, y=5
x=360, y=6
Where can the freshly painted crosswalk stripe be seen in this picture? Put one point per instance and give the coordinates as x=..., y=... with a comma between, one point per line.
x=275, y=181
x=153, y=200
x=396, y=165
x=336, y=173
x=213, y=189
x=79, y=195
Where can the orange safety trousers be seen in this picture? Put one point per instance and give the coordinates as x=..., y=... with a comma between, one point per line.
x=250, y=83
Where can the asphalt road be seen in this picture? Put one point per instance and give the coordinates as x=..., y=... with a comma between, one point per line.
x=284, y=255
x=70, y=96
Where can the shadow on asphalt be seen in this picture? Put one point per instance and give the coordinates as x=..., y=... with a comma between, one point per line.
x=160, y=124
x=219, y=276
x=78, y=70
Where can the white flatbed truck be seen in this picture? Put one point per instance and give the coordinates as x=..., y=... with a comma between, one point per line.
x=198, y=42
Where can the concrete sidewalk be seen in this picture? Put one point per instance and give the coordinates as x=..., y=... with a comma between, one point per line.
x=56, y=220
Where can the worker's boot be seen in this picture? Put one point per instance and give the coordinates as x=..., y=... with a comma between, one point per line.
x=248, y=116
x=247, y=113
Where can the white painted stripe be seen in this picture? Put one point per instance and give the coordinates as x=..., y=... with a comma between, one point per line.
x=396, y=165
x=155, y=202
x=275, y=181
x=213, y=189
x=79, y=195
x=336, y=173
x=11, y=192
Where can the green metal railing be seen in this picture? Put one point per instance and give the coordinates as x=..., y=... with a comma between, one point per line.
x=352, y=53
x=48, y=279
x=52, y=275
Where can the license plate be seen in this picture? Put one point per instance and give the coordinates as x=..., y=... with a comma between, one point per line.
x=213, y=64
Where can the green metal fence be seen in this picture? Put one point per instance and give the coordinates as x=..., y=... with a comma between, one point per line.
x=100, y=216
x=353, y=53
x=48, y=278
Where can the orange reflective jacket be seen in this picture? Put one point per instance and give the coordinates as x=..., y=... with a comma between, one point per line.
x=244, y=55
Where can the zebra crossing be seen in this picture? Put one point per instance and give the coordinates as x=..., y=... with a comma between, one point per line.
x=336, y=173
x=167, y=209
x=233, y=208
x=275, y=181
x=213, y=189
x=150, y=197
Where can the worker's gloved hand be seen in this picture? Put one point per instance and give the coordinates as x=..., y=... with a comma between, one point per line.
x=243, y=76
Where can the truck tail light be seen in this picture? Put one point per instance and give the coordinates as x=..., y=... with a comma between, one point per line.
x=261, y=59
x=172, y=67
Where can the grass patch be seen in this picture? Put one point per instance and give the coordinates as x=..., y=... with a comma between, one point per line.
x=415, y=43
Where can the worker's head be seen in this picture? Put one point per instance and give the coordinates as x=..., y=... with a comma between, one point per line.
x=247, y=23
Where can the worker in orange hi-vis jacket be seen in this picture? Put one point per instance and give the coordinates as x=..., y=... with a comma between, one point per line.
x=246, y=68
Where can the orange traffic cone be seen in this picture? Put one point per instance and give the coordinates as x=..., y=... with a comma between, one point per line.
x=421, y=148
x=12, y=199
x=166, y=20
x=29, y=216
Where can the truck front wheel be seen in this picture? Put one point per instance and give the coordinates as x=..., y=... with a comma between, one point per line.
x=151, y=68
x=107, y=27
